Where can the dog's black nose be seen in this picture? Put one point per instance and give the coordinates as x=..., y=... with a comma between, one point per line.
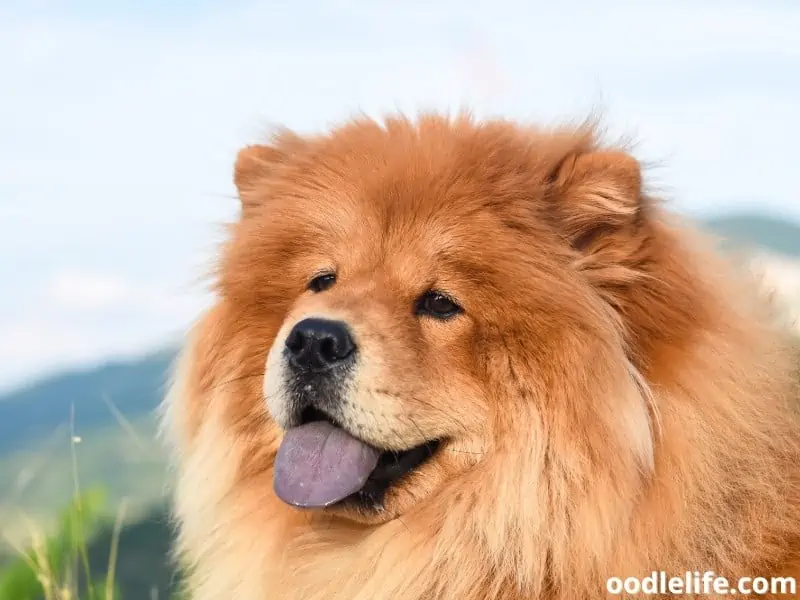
x=319, y=344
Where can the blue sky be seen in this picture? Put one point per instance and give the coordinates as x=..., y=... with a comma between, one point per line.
x=119, y=122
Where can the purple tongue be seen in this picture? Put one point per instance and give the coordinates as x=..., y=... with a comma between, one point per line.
x=319, y=464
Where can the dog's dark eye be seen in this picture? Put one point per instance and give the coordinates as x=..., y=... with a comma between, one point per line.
x=438, y=305
x=320, y=283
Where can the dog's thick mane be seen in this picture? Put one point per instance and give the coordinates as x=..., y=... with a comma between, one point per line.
x=712, y=482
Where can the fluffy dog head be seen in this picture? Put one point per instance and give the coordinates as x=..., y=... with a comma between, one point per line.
x=474, y=275
x=459, y=326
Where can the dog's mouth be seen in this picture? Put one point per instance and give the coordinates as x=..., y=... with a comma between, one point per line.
x=319, y=464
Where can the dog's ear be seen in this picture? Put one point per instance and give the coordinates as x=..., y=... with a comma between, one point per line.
x=253, y=164
x=595, y=193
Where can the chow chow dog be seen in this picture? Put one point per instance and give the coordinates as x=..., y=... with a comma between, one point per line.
x=475, y=360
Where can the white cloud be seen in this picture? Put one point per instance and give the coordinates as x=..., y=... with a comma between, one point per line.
x=75, y=290
x=88, y=291
x=117, y=132
x=80, y=317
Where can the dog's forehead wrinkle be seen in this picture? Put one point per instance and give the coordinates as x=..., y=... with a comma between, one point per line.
x=420, y=264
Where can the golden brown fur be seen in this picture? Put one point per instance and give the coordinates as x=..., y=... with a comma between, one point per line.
x=615, y=401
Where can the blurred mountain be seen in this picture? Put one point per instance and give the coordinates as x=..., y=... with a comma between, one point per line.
x=763, y=232
x=44, y=407
x=114, y=443
x=772, y=246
